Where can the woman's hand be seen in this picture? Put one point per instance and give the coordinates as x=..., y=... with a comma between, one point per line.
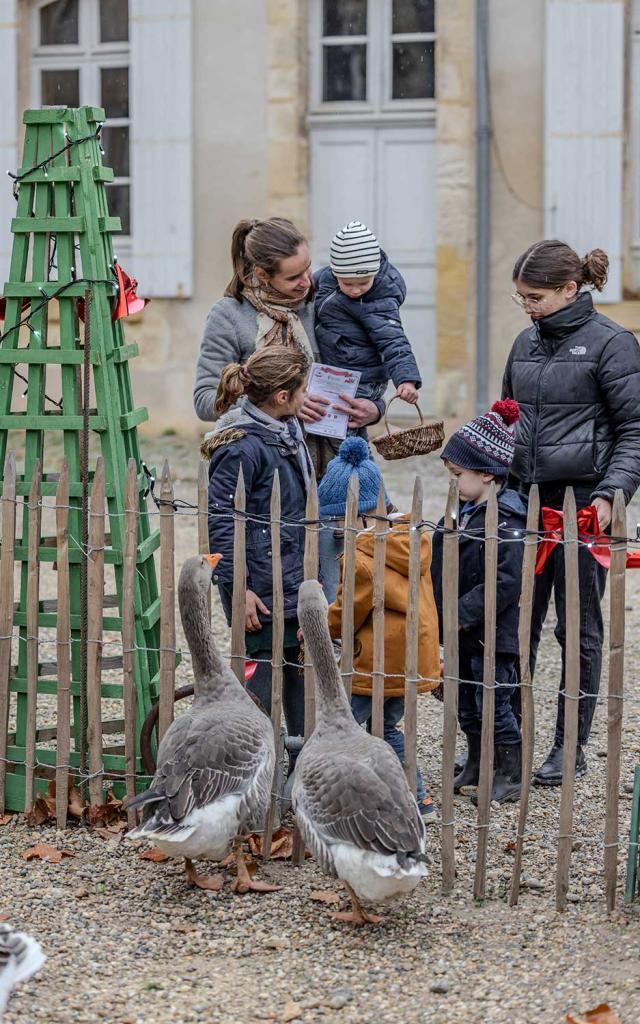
x=360, y=411
x=604, y=509
x=252, y=606
x=408, y=392
x=313, y=409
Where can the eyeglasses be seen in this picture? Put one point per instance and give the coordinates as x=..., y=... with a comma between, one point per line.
x=526, y=303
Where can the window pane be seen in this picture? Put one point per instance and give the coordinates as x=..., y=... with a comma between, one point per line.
x=59, y=23
x=115, y=91
x=345, y=17
x=114, y=21
x=60, y=88
x=414, y=75
x=413, y=16
x=345, y=73
x=115, y=142
x=118, y=204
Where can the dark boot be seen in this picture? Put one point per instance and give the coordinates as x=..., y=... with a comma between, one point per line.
x=550, y=773
x=508, y=773
x=468, y=775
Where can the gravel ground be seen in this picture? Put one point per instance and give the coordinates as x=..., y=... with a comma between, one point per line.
x=127, y=941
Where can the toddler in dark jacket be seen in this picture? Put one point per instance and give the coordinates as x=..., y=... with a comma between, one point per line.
x=477, y=454
x=358, y=325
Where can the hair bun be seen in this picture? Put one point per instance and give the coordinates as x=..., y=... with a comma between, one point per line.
x=354, y=450
x=595, y=267
x=508, y=409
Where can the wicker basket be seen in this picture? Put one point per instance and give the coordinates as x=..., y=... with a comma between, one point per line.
x=402, y=444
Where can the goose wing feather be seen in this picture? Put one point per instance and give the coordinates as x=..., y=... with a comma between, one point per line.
x=360, y=800
x=208, y=754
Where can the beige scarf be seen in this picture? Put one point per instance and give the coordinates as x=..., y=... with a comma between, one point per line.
x=278, y=320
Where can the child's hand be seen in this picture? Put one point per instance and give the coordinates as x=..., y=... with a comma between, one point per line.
x=253, y=605
x=408, y=392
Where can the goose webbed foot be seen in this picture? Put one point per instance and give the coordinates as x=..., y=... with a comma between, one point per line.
x=243, y=882
x=212, y=882
x=356, y=915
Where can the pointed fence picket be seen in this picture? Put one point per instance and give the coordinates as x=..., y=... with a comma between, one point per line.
x=26, y=750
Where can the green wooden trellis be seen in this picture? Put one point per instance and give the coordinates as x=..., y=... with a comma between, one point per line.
x=62, y=237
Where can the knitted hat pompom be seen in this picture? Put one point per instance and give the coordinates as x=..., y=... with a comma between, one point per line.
x=353, y=457
x=508, y=409
x=354, y=450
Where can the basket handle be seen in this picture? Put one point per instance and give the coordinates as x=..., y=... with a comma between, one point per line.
x=386, y=413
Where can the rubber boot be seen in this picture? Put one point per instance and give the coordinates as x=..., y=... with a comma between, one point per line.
x=550, y=773
x=508, y=773
x=469, y=775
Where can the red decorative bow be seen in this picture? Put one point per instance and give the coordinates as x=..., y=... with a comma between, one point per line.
x=3, y=306
x=127, y=302
x=588, y=527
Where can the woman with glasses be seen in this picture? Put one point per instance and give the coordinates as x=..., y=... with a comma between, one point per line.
x=576, y=377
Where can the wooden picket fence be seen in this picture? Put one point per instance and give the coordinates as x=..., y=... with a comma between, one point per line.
x=123, y=767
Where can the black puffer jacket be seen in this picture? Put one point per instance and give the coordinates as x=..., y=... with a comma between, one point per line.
x=576, y=377
x=260, y=453
x=365, y=334
x=512, y=520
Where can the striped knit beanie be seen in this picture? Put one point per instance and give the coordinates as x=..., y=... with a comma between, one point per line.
x=487, y=443
x=355, y=251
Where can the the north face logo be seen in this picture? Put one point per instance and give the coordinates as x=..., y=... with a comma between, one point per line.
x=578, y=350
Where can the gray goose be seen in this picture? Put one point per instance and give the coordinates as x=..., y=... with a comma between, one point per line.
x=215, y=763
x=352, y=802
x=20, y=957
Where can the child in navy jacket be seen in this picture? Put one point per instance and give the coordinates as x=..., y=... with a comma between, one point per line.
x=478, y=454
x=358, y=299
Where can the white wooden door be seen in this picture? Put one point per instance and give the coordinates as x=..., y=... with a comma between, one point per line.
x=384, y=176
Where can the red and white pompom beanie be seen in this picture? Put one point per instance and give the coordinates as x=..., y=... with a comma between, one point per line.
x=486, y=443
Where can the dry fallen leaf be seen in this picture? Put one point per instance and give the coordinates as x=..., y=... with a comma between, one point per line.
x=4, y=917
x=281, y=844
x=40, y=813
x=324, y=897
x=510, y=847
x=291, y=1011
x=43, y=851
x=601, y=1014
x=75, y=807
x=5, y=819
x=154, y=854
x=104, y=814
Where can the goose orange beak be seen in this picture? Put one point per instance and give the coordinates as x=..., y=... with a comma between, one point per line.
x=212, y=559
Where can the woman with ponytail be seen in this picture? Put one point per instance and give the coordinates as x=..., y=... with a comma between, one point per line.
x=265, y=437
x=267, y=302
x=576, y=377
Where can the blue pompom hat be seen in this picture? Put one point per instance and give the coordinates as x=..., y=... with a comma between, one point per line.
x=353, y=456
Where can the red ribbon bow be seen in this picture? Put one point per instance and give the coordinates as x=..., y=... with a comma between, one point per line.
x=588, y=527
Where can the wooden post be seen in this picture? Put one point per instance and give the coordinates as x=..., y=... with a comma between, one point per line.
x=167, y=603
x=310, y=573
x=411, y=642
x=485, y=782
x=277, y=653
x=128, y=631
x=203, y=515
x=95, y=582
x=450, y=558
x=616, y=689
x=33, y=585
x=63, y=648
x=572, y=696
x=379, y=554
x=312, y=533
x=7, y=555
x=526, y=683
x=349, y=581
x=239, y=581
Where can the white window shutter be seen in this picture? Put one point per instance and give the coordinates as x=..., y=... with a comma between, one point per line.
x=584, y=128
x=161, y=146
x=8, y=127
